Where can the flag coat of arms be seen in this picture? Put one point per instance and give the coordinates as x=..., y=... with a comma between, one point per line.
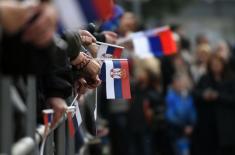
x=157, y=42
x=107, y=51
x=117, y=79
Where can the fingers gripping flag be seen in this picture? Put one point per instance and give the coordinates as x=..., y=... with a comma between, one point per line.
x=117, y=79
x=109, y=51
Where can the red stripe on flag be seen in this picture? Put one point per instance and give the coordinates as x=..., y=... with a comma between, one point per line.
x=168, y=42
x=125, y=80
x=71, y=125
x=117, y=53
x=104, y=8
x=45, y=119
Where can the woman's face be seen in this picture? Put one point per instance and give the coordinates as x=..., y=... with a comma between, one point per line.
x=216, y=66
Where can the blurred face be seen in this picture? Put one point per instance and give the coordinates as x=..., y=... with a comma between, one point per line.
x=202, y=57
x=127, y=23
x=223, y=51
x=216, y=66
x=181, y=84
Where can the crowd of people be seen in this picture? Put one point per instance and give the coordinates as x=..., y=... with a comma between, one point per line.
x=181, y=104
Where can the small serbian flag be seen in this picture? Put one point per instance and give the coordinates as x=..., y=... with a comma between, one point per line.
x=157, y=42
x=117, y=79
x=47, y=116
x=107, y=51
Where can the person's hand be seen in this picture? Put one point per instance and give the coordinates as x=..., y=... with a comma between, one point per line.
x=93, y=83
x=210, y=95
x=87, y=64
x=188, y=130
x=214, y=95
x=59, y=106
x=86, y=37
x=81, y=86
x=40, y=32
x=207, y=95
x=110, y=37
x=93, y=49
x=14, y=15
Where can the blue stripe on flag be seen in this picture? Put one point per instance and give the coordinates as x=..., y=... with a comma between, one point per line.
x=103, y=73
x=75, y=122
x=155, y=45
x=110, y=50
x=89, y=10
x=50, y=117
x=117, y=82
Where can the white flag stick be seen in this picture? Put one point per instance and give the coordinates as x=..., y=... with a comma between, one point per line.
x=102, y=43
x=103, y=59
x=95, y=111
x=74, y=100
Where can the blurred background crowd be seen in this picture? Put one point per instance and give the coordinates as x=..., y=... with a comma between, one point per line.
x=182, y=104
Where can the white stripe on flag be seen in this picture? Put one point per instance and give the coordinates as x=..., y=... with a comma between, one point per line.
x=141, y=45
x=70, y=13
x=78, y=114
x=102, y=50
x=109, y=80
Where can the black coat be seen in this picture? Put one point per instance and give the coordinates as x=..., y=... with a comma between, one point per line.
x=136, y=116
x=216, y=119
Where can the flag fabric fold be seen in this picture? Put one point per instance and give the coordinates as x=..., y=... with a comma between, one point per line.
x=157, y=42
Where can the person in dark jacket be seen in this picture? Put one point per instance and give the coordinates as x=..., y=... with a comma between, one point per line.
x=146, y=114
x=215, y=103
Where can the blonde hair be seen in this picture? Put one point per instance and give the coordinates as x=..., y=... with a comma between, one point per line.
x=151, y=65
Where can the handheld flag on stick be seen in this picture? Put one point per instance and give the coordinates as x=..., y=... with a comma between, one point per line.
x=157, y=42
x=116, y=73
x=108, y=51
x=47, y=118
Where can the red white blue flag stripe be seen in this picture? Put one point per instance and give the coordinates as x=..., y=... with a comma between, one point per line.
x=117, y=79
x=47, y=116
x=109, y=51
x=158, y=42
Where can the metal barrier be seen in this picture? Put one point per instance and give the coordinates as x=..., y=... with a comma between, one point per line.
x=58, y=141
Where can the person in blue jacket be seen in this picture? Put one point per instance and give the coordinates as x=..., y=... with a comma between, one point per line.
x=180, y=113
